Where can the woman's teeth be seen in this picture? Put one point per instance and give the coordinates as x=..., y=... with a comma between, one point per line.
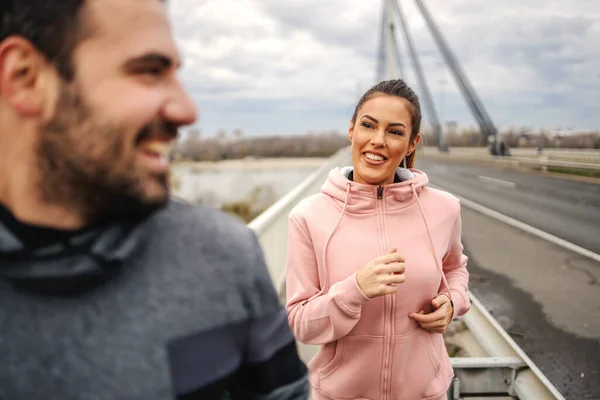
x=374, y=157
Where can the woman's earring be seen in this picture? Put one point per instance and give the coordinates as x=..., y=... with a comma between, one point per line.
x=404, y=163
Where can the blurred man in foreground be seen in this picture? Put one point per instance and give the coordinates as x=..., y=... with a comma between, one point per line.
x=109, y=289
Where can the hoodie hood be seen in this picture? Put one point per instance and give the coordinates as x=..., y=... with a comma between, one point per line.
x=361, y=198
x=75, y=262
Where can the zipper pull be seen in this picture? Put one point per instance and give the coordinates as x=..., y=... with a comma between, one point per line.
x=379, y=192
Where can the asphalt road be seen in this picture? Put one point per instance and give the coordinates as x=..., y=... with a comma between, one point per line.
x=546, y=297
x=567, y=209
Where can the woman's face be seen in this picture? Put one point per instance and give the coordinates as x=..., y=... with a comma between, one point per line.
x=380, y=139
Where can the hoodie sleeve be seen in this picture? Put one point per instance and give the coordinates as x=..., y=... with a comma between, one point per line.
x=315, y=317
x=455, y=269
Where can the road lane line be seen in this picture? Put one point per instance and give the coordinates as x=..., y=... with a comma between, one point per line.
x=523, y=226
x=497, y=182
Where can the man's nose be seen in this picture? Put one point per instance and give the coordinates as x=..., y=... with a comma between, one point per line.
x=181, y=109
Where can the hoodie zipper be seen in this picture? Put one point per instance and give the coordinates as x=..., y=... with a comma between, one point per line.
x=381, y=234
x=389, y=305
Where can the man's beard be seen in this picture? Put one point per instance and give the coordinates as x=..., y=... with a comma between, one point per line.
x=85, y=163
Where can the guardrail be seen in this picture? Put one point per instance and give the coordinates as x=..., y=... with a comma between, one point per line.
x=505, y=371
x=565, y=154
x=542, y=162
x=271, y=226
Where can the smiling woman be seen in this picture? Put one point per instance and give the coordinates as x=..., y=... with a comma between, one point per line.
x=376, y=270
x=384, y=132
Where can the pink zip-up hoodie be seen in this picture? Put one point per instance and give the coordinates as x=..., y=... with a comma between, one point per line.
x=370, y=348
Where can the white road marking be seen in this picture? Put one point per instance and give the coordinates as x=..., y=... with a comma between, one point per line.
x=527, y=228
x=497, y=182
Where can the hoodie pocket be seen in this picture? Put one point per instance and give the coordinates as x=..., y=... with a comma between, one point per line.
x=416, y=369
x=355, y=371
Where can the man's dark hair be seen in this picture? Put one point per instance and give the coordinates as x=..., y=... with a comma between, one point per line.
x=52, y=26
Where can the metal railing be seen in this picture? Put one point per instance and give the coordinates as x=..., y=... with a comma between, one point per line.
x=588, y=160
x=271, y=226
x=505, y=371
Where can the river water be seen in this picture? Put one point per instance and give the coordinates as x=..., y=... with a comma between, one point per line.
x=261, y=182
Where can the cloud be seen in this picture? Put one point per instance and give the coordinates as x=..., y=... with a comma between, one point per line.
x=272, y=66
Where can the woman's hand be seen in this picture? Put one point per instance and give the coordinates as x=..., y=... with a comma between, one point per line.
x=380, y=276
x=439, y=319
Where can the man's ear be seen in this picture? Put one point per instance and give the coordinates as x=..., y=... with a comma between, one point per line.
x=24, y=77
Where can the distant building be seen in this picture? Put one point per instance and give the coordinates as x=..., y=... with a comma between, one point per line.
x=452, y=128
x=238, y=135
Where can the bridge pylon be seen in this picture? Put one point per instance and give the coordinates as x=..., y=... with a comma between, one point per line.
x=390, y=66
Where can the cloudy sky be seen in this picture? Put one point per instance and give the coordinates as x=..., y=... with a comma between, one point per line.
x=292, y=66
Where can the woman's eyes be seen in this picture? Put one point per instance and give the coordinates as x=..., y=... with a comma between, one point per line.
x=396, y=132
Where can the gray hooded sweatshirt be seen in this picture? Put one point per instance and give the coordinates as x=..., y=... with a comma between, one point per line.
x=175, y=305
